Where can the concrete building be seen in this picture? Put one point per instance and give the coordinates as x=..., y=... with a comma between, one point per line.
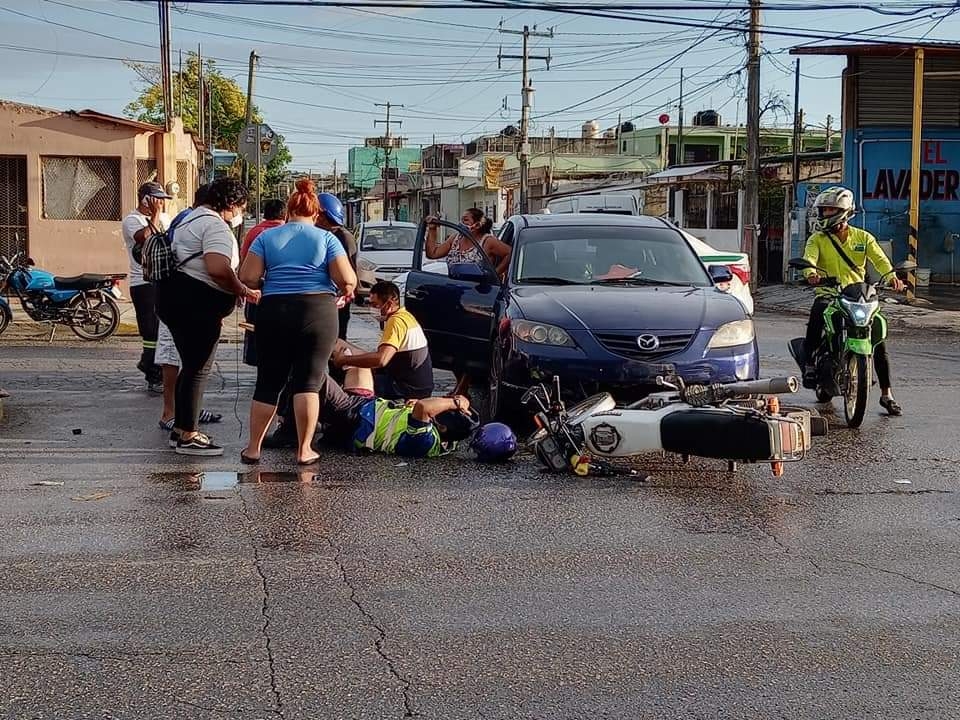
x=878, y=113
x=67, y=178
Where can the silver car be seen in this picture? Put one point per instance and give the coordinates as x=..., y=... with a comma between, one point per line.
x=384, y=250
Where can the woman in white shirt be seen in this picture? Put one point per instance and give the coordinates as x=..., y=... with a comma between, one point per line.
x=194, y=302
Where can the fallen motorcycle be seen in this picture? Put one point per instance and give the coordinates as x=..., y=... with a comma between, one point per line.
x=87, y=303
x=852, y=327
x=736, y=422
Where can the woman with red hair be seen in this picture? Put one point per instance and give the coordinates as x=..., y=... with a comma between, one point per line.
x=301, y=269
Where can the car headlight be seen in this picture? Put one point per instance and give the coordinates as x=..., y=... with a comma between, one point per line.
x=366, y=265
x=731, y=334
x=541, y=333
x=860, y=313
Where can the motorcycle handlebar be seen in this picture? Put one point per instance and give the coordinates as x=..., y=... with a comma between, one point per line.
x=767, y=386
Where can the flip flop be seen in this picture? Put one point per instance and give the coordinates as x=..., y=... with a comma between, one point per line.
x=247, y=460
x=312, y=461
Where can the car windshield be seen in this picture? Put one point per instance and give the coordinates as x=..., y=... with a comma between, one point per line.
x=615, y=255
x=388, y=238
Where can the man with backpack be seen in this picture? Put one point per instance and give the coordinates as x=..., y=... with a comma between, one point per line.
x=148, y=219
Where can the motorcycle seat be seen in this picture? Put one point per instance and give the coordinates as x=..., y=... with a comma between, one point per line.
x=83, y=282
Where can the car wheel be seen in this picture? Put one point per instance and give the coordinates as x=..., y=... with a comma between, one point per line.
x=502, y=404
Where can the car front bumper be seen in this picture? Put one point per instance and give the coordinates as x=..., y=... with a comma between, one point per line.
x=585, y=374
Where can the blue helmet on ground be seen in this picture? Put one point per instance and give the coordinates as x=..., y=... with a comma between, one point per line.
x=332, y=207
x=494, y=443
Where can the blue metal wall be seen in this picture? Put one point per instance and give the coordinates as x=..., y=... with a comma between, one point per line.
x=877, y=168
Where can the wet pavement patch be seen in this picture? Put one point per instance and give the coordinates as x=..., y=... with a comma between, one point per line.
x=219, y=481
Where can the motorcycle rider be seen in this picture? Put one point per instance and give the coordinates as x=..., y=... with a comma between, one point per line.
x=842, y=252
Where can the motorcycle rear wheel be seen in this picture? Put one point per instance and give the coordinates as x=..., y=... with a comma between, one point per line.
x=856, y=390
x=6, y=317
x=96, y=316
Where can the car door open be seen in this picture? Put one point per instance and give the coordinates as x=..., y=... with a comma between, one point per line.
x=456, y=310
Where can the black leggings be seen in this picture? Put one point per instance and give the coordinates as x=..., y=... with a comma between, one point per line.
x=881, y=358
x=295, y=336
x=194, y=312
x=144, y=299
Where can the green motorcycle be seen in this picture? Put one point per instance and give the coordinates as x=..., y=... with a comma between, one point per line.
x=853, y=327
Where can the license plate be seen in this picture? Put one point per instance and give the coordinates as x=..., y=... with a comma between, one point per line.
x=115, y=291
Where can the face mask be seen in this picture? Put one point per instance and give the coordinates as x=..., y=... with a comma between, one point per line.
x=236, y=221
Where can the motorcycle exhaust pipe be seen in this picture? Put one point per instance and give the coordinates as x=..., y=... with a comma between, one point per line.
x=767, y=386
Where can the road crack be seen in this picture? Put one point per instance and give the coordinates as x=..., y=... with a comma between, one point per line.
x=928, y=491
x=409, y=707
x=789, y=551
x=912, y=579
x=264, y=607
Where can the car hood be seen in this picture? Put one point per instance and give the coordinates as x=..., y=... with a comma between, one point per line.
x=388, y=258
x=643, y=308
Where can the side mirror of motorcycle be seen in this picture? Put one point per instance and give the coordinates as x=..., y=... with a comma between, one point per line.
x=906, y=266
x=801, y=264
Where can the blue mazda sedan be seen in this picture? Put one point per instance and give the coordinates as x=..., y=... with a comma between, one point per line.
x=595, y=299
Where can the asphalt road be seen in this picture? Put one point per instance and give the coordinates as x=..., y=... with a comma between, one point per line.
x=138, y=584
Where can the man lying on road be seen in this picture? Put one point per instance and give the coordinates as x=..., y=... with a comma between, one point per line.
x=401, y=362
x=357, y=419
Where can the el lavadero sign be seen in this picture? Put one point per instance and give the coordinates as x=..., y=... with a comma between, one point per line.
x=885, y=173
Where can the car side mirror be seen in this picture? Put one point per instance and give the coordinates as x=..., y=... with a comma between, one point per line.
x=720, y=274
x=801, y=264
x=31, y=262
x=470, y=272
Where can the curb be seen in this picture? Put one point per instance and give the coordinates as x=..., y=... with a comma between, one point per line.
x=920, y=321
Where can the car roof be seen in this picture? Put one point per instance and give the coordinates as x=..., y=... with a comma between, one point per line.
x=582, y=219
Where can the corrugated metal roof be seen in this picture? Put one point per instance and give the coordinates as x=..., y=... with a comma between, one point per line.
x=681, y=171
x=882, y=49
x=94, y=115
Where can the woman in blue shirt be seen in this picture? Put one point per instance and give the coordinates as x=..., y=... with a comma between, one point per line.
x=301, y=269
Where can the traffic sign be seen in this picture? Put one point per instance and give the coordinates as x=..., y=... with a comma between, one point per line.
x=248, y=141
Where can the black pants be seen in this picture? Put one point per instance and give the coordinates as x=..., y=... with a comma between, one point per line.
x=881, y=358
x=295, y=336
x=145, y=306
x=194, y=312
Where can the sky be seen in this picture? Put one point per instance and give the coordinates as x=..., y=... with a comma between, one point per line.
x=323, y=70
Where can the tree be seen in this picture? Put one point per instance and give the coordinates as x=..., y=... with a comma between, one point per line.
x=226, y=103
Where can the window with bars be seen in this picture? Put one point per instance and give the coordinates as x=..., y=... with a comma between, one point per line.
x=13, y=205
x=695, y=206
x=726, y=209
x=185, y=181
x=81, y=188
x=146, y=171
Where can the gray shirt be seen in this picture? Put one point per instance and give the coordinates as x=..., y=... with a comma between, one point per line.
x=204, y=231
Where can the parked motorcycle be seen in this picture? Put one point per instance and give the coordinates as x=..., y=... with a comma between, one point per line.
x=87, y=303
x=737, y=422
x=852, y=327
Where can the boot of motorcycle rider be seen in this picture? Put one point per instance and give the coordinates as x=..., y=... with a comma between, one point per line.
x=834, y=208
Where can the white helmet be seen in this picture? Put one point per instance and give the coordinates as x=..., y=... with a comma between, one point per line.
x=834, y=206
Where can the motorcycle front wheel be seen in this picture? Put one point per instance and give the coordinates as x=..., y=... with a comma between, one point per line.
x=93, y=316
x=856, y=388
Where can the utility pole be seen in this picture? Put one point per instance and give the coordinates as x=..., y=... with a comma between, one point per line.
x=829, y=141
x=180, y=76
x=201, y=126
x=796, y=132
x=679, y=157
x=387, y=142
x=750, y=215
x=165, y=66
x=527, y=92
x=249, y=119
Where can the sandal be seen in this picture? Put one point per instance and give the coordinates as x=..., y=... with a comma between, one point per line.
x=310, y=461
x=891, y=406
x=247, y=460
x=207, y=417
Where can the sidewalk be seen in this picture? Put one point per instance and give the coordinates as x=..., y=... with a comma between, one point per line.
x=795, y=300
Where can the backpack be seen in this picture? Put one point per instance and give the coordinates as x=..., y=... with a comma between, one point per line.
x=157, y=258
